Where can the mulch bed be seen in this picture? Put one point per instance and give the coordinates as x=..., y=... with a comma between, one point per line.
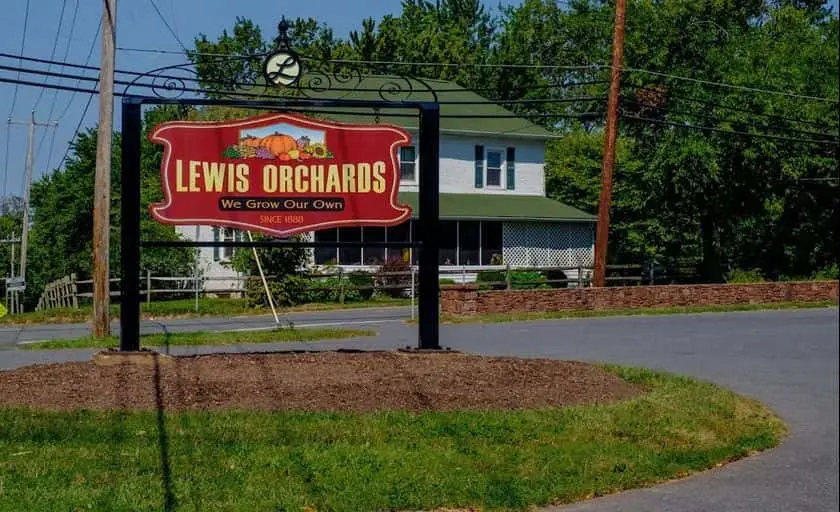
x=324, y=381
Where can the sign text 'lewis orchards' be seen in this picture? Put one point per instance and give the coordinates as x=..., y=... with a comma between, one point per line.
x=279, y=174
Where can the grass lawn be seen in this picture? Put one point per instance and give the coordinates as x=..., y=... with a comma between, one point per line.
x=496, y=460
x=206, y=338
x=186, y=308
x=523, y=317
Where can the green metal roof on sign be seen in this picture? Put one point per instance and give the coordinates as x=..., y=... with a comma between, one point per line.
x=500, y=207
x=462, y=111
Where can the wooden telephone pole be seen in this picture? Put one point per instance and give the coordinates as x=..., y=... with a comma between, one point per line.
x=605, y=199
x=102, y=186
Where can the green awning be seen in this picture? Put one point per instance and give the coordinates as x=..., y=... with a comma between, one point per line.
x=500, y=207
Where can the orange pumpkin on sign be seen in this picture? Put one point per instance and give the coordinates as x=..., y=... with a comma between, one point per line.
x=251, y=142
x=278, y=144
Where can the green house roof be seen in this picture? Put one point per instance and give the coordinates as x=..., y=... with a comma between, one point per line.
x=471, y=115
x=499, y=207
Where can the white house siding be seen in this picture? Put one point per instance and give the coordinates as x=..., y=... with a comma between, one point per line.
x=457, y=165
x=220, y=278
x=544, y=244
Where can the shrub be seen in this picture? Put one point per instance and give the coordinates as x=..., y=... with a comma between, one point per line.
x=290, y=290
x=831, y=273
x=361, y=279
x=556, y=275
x=744, y=276
x=394, y=285
x=527, y=280
x=519, y=280
x=447, y=281
x=491, y=280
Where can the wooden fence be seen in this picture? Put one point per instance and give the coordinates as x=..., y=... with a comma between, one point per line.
x=62, y=293
x=69, y=292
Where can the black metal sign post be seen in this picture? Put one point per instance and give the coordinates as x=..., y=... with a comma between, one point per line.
x=429, y=143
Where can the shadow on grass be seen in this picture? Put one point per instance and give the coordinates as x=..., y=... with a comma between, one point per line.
x=163, y=442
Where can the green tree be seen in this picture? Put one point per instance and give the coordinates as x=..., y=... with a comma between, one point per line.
x=62, y=220
x=282, y=268
x=11, y=220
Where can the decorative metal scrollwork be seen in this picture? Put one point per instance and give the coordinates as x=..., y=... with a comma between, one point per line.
x=281, y=73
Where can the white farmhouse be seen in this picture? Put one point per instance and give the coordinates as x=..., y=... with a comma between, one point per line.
x=493, y=206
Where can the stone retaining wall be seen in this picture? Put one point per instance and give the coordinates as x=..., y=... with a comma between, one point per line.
x=468, y=300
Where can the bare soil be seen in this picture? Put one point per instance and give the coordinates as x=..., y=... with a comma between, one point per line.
x=321, y=381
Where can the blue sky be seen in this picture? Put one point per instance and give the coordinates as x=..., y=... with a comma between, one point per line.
x=287, y=129
x=138, y=26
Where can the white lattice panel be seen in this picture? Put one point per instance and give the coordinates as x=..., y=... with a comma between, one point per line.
x=309, y=236
x=544, y=244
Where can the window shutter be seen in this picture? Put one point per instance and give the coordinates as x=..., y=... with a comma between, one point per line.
x=511, y=168
x=216, y=248
x=479, y=166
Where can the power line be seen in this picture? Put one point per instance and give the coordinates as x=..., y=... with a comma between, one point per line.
x=55, y=96
x=731, y=132
x=20, y=55
x=14, y=100
x=163, y=19
x=54, y=48
x=730, y=86
x=519, y=66
x=87, y=60
x=719, y=120
x=76, y=131
x=669, y=94
x=186, y=88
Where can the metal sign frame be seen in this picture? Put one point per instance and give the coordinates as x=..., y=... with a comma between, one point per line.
x=429, y=154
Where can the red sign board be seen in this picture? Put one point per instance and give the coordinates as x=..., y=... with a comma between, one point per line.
x=279, y=174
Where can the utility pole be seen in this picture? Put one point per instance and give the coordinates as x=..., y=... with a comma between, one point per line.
x=102, y=183
x=605, y=199
x=27, y=185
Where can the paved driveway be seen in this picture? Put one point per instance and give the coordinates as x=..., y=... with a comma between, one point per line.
x=788, y=359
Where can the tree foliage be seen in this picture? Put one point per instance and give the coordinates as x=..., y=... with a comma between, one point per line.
x=61, y=239
x=693, y=180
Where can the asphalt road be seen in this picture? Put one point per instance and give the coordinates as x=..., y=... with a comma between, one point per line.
x=788, y=359
x=11, y=336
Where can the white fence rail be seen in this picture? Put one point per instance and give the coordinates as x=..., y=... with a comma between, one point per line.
x=68, y=291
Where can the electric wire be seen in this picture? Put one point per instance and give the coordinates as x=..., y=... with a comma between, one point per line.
x=186, y=88
x=14, y=102
x=732, y=132
x=171, y=31
x=54, y=48
x=707, y=103
x=681, y=125
x=55, y=96
x=530, y=66
x=715, y=119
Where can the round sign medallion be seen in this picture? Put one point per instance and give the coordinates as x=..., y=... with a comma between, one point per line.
x=283, y=68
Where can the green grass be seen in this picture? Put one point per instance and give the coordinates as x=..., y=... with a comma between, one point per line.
x=206, y=338
x=185, y=308
x=524, y=317
x=496, y=460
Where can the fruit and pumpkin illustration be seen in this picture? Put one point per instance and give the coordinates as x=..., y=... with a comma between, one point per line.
x=278, y=146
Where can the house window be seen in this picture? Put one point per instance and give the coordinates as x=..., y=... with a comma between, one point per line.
x=326, y=255
x=225, y=235
x=374, y=255
x=468, y=242
x=350, y=255
x=448, y=240
x=400, y=233
x=491, y=243
x=493, y=167
x=408, y=162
